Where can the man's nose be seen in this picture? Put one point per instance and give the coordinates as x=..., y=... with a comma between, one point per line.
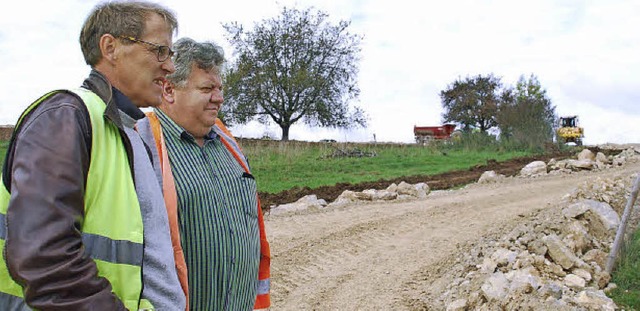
x=168, y=66
x=217, y=97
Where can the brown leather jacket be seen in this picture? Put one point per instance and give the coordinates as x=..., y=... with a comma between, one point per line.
x=46, y=171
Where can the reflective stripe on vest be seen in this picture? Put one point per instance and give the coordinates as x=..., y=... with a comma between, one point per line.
x=263, y=287
x=112, y=230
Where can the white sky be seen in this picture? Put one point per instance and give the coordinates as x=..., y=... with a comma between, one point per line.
x=584, y=53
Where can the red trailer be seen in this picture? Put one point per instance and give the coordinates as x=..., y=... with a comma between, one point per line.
x=425, y=134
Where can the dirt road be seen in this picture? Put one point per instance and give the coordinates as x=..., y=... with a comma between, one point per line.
x=380, y=256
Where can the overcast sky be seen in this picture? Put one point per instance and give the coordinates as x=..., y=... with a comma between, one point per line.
x=584, y=53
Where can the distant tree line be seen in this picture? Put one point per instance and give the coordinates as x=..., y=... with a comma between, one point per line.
x=522, y=115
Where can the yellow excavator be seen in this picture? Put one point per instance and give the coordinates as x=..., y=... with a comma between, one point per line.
x=569, y=130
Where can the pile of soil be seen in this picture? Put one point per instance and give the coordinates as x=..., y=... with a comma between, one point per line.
x=442, y=181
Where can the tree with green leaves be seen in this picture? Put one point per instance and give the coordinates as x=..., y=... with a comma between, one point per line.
x=472, y=102
x=294, y=67
x=527, y=115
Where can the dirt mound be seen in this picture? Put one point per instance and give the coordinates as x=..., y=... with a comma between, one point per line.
x=442, y=181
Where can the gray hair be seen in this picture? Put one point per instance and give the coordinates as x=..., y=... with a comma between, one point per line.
x=119, y=18
x=205, y=55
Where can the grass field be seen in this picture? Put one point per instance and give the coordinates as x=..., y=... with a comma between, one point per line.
x=3, y=150
x=627, y=276
x=280, y=166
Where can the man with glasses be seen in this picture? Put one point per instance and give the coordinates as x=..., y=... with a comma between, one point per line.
x=83, y=222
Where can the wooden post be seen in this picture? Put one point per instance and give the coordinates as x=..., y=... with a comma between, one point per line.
x=622, y=228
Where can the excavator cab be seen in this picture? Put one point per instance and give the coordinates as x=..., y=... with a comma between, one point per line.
x=569, y=131
x=568, y=122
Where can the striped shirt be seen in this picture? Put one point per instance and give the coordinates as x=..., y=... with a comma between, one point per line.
x=218, y=218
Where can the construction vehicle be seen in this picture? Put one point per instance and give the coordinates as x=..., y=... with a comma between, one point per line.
x=425, y=134
x=569, y=130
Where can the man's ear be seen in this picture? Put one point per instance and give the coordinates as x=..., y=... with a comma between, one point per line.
x=168, y=92
x=108, y=47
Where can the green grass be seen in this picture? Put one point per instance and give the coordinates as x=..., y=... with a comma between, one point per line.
x=627, y=275
x=280, y=166
x=3, y=150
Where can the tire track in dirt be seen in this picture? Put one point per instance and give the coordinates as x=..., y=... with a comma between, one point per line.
x=303, y=261
x=348, y=247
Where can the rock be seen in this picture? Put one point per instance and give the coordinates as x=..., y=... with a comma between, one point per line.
x=556, y=270
x=575, y=210
x=583, y=274
x=597, y=256
x=618, y=161
x=578, y=238
x=306, y=202
x=347, y=197
x=586, y=154
x=488, y=266
x=458, y=305
x=408, y=189
x=603, y=220
x=490, y=177
x=601, y=278
x=422, y=190
x=503, y=257
x=575, y=282
x=600, y=157
x=523, y=281
x=595, y=300
x=377, y=195
x=559, y=252
x=537, y=247
x=577, y=165
x=534, y=168
x=393, y=188
x=385, y=195
x=495, y=287
x=552, y=289
x=366, y=195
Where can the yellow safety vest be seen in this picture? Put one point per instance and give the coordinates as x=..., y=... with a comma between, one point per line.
x=112, y=229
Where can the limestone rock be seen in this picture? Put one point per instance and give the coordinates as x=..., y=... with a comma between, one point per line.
x=534, y=168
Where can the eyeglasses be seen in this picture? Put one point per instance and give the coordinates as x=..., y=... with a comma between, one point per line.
x=164, y=52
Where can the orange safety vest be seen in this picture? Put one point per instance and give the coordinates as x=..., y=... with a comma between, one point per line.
x=263, y=299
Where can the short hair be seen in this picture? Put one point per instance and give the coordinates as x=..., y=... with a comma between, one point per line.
x=206, y=55
x=119, y=18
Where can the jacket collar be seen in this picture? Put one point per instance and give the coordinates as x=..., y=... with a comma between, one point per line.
x=98, y=83
x=113, y=98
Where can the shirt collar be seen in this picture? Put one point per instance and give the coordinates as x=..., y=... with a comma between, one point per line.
x=175, y=130
x=125, y=105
